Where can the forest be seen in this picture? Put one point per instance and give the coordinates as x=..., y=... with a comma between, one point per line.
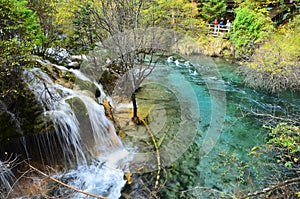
x=110, y=40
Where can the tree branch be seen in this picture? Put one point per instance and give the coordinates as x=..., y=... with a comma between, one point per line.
x=65, y=185
x=268, y=189
x=277, y=118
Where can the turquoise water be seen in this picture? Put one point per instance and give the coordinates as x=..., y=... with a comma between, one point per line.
x=201, y=117
x=219, y=156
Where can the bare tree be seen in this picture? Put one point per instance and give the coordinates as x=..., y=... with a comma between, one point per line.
x=128, y=48
x=133, y=57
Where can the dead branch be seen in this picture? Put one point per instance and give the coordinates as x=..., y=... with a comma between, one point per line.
x=294, y=121
x=272, y=188
x=65, y=185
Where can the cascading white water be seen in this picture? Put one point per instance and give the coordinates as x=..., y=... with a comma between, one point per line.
x=58, y=112
x=103, y=129
x=73, y=137
x=54, y=98
x=96, y=178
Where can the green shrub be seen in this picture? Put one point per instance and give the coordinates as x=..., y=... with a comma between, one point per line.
x=275, y=66
x=249, y=29
x=285, y=138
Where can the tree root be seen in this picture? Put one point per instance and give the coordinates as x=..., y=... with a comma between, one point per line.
x=157, y=153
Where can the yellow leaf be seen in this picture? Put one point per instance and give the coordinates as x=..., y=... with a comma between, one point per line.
x=128, y=177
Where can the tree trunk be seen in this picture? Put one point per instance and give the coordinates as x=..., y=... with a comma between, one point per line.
x=135, y=118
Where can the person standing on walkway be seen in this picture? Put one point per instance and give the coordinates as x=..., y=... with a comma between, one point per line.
x=215, y=25
x=221, y=23
x=228, y=25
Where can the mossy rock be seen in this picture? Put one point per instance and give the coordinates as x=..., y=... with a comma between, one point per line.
x=69, y=76
x=78, y=106
x=82, y=116
x=64, y=77
x=86, y=85
x=108, y=81
x=8, y=127
x=52, y=71
x=19, y=120
x=43, y=124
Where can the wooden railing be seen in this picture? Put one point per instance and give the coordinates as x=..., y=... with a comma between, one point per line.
x=217, y=31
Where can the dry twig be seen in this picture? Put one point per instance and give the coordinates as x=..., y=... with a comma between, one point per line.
x=276, y=118
x=272, y=188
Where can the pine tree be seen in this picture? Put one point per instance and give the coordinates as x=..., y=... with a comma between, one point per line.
x=213, y=9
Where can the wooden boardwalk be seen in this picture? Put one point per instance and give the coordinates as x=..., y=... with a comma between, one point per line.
x=219, y=32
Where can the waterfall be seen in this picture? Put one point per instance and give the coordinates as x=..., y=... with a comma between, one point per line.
x=74, y=128
x=103, y=130
x=75, y=132
x=57, y=112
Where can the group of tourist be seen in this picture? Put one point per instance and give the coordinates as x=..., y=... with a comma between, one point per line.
x=221, y=24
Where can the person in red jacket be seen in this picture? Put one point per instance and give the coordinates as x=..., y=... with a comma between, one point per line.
x=215, y=26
